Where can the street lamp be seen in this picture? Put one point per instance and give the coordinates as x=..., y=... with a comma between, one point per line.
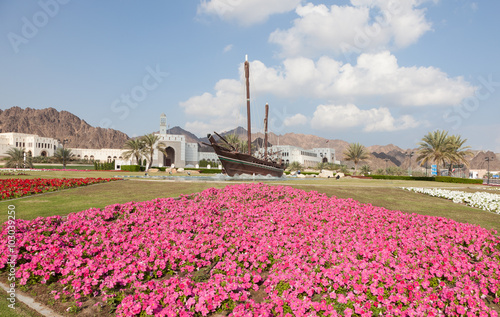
x=488, y=159
x=386, y=160
x=409, y=164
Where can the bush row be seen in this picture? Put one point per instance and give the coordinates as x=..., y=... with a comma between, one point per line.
x=444, y=179
x=98, y=166
x=133, y=168
x=448, y=179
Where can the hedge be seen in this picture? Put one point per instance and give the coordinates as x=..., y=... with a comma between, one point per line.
x=448, y=179
x=405, y=178
x=132, y=168
x=444, y=179
x=303, y=173
x=98, y=166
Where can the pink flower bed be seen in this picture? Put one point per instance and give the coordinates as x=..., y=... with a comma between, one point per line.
x=254, y=249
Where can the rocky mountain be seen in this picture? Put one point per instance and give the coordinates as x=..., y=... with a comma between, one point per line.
x=479, y=161
x=60, y=125
x=190, y=137
x=63, y=125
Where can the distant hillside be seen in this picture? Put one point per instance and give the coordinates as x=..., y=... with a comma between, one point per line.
x=60, y=125
x=63, y=125
x=190, y=137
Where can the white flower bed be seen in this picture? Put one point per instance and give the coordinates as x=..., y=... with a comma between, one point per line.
x=482, y=200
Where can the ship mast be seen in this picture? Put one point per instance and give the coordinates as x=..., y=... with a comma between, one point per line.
x=249, y=127
x=265, y=131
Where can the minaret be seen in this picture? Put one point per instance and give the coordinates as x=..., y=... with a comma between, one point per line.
x=163, y=124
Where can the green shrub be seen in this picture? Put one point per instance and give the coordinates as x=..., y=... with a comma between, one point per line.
x=406, y=178
x=161, y=169
x=448, y=179
x=98, y=166
x=131, y=168
x=303, y=173
x=210, y=171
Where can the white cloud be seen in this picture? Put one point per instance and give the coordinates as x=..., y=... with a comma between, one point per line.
x=220, y=112
x=228, y=48
x=298, y=119
x=374, y=76
x=246, y=12
x=332, y=117
x=364, y=26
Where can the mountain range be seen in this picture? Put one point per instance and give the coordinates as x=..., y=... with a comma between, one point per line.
x=52, y=123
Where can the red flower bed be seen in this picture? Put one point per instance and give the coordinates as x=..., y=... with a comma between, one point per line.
x=15, y=187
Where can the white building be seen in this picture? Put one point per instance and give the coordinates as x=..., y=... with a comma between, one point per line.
x=32, y=143
x=178, y=152
x=307, y=158
x=101, y=155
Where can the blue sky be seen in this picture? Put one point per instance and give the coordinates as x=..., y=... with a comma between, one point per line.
x=369, y=71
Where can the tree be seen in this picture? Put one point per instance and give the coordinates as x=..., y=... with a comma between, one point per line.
x=134, y=148
x=295, y=166
x=380, y=171
x=439, y=148
x=365, y=169
x=320, y=166
x=232, y=139
x=343, y=169
x=149, y=141
x=356, y=153
x=16, y=159
x=459, y=152
x=63, y=155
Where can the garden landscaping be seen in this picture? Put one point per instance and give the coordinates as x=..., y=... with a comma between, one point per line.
x=16, y=187
x=482, y=200
x=267, y=250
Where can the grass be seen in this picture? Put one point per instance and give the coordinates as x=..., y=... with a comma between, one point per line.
x=20, y=310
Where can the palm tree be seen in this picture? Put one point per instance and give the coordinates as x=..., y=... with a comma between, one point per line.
x=435, y=147
x=63, y=155
x=295, y=166
x=356, y=152
x=16, y=159
x=365, y=169
x=459, y=152
x=321, y=165
x=232, y=139
x=134, y=148
x=149, y=141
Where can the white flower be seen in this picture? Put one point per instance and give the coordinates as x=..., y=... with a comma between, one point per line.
x=481, y=200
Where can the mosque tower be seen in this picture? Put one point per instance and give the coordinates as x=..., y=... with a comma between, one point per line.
x=163, y=124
